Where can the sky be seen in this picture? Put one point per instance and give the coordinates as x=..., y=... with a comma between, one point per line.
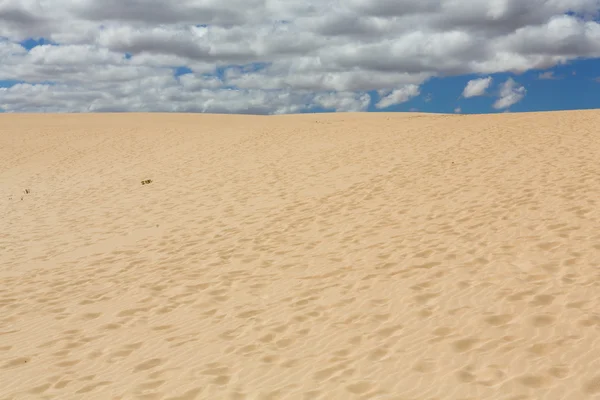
x=299, y=56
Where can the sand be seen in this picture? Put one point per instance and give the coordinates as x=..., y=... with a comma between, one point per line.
x=333, y=256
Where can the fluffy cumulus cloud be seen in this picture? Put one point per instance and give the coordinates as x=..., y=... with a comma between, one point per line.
x=476, y=87
x=510, y=93
x=397, y=96
x=275, y=56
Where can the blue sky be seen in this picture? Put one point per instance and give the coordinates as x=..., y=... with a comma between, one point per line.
x=366, y=55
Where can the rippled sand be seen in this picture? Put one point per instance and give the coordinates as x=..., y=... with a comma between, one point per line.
x=336, y=256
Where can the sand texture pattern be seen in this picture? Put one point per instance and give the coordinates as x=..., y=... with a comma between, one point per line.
x=333, y=256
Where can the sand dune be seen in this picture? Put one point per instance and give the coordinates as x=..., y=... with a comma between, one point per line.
x=336, y=256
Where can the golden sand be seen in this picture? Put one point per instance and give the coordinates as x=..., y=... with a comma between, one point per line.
x=332, y=256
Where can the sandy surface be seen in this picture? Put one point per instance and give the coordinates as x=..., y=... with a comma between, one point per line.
x=340, y=256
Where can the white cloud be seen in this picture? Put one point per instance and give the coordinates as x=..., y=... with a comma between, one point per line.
x=397, y=96
x=343, y=101
x=326, y=51
x=476, y=87
x=152, y=94
x=548, y=75
x=457, y=110
x=192, y=82
x=510, y=93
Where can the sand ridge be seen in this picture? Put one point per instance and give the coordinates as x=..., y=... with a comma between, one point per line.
x=330, y=256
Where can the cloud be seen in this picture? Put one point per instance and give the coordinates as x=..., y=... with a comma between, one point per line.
x=457, y=110
x=291, y=55
x=342, y=101
x=510, y=93
x=397, y=96
x=476, y=87
x=160, y=12
x=548, y=75
x=165, y=95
